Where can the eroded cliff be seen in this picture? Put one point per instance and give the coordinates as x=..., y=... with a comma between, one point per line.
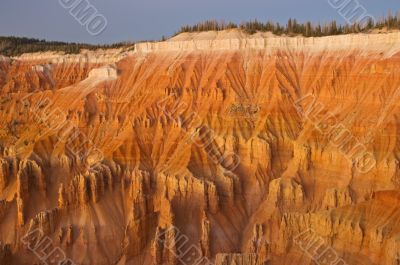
x=205, y=149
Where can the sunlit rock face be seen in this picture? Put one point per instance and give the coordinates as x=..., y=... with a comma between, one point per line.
x=206, y=149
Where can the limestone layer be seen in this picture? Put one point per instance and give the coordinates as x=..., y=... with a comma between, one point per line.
x=237, y=40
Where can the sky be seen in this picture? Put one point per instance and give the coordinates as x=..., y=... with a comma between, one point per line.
x=135, y=20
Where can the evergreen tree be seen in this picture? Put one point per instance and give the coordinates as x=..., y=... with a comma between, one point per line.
x=294, y=28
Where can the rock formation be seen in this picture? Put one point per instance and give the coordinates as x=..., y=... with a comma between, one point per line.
x=209, y=148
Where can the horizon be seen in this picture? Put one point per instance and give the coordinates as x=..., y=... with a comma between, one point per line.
x=151, y=20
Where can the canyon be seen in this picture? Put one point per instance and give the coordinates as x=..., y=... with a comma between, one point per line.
x=207, y=148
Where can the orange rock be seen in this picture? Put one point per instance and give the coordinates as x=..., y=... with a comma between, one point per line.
x=235, y=144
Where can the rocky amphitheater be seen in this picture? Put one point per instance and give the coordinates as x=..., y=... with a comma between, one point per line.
x=209, y=148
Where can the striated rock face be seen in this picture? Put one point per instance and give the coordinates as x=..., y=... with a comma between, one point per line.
x=237, y=40
x=335, y=198
x=210, y=148
x=286, y=193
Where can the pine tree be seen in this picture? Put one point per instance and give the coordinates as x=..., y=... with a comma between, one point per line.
x=290, y=26
x=308, y=29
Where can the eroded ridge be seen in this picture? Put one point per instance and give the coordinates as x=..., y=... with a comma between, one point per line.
x=239, y=151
